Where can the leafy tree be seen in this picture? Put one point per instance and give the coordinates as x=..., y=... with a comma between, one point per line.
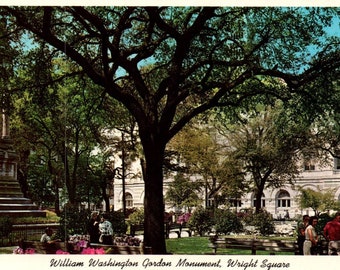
x=58, y=123
x=183, y=192
x=319, y=200
x=269, y=151
x=201, y=153
x=199, y=58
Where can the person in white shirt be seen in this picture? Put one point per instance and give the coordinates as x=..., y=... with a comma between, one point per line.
x=311, y=237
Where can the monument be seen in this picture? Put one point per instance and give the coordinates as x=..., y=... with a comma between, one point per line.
x=12, y=201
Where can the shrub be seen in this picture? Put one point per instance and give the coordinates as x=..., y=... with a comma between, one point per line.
x=137, y=217
x=5, y=227
x=73, y=221
x=323, y=219
x=264, y=222
x=227, y=221
x=201, y=221
x=118, y=222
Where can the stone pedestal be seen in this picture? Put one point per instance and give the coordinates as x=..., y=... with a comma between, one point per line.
x=12, y=201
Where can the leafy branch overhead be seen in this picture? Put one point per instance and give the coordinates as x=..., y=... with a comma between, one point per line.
x=167, y=65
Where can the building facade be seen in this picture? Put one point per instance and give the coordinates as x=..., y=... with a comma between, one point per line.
x=280, y=202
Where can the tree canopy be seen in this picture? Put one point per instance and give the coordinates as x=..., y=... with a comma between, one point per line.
x=199, y=58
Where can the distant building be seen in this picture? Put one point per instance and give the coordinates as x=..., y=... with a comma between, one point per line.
x=280, y=202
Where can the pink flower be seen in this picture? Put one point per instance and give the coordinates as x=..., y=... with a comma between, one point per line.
x=18, y=250
x=100, y=251
x=88, y=251
x=61, y=252
x=82, y=243
x=30, y=251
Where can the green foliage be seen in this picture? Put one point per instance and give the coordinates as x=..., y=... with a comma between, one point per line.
x=118, y=222
x=323, y=219
x=257, y=42
x=263, y=222
x=5, y=226
x=183, y=192
x=319, y=200
x=201, y=221
x=51, y=217
x=137, y=217
x=227, y=221
x=268, y=156
x=73, y=221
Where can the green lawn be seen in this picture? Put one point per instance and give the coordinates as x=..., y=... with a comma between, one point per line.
x=189, y=246
x=200, y=245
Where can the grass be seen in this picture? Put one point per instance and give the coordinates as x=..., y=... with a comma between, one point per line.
x=51, y=217
x=188, y=246
x=200, y=245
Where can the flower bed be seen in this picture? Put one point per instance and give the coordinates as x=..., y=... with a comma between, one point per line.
x=79, y=244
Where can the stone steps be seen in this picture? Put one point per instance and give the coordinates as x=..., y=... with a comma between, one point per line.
x=14, y=200
x=19, y=207
x=22, y=213
x=11, y=194
x=6, y=206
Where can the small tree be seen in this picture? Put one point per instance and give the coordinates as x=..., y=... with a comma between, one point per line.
x=319, y=201
x=183, y=193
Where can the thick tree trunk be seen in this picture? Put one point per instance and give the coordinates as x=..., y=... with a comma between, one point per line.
x=153, y=200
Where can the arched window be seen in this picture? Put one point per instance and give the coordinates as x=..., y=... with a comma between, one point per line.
x=128, y=200
x=283, y=199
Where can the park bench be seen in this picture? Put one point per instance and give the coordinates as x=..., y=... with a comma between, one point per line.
x=138, y=229
x=254, y=245
x=42, y=248
x=177, y=228
x=116, y=249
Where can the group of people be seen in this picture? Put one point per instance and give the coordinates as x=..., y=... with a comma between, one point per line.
x=308, y=238
x=100, y=229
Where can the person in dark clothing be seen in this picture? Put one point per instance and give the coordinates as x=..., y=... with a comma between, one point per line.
x=301, y=232
x=93, y=228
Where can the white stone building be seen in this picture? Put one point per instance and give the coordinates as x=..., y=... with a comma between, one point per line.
x=279, y=202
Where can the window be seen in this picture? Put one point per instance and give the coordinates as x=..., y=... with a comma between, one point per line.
x=263, y=203
x=210, y=202
x=283, y=199
x=336, y=163
x=128, y=200
x=309, y=167
x=235, y=202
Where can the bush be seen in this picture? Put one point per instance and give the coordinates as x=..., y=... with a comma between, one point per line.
x=137, y=217
x=5, y=227
x=264, y=222
x=73, y=221
x=118, y=222
x=201, y=221
x=226, y=222
x=323, y=219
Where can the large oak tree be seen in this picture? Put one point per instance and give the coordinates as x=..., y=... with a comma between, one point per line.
x=196, y=57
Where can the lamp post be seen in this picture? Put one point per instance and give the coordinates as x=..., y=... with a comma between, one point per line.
x=123, y=174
